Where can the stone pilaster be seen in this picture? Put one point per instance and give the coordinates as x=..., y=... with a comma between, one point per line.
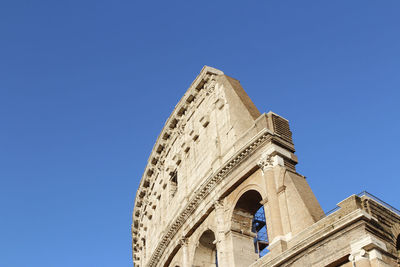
x=185, y=253
x=267, y=164
x=221, y=241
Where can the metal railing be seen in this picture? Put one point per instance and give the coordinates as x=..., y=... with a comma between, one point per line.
x=331, y=211
x=380, y=201
x=374, y=198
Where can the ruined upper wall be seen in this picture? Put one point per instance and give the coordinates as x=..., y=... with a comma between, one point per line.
x=214, y=118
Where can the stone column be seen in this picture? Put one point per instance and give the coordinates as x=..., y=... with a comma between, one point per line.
x=271, y=167
x=221, y=241
x=185, y=252
x=266, y=163
x=281, y=192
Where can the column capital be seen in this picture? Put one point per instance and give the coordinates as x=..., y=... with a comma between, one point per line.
x=356, y=256
x=265, y=162
x=184, y=242
x=218, y=204
x=268, y=160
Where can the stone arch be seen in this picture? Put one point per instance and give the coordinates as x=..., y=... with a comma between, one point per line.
x=247, y=223
x=196, y=237
x=205, y=254
x=248, y=187
x=242, y=191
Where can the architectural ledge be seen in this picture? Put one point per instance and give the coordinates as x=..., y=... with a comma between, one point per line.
x=317, y=232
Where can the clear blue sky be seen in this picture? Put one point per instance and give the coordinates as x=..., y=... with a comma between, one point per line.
x=85, y=87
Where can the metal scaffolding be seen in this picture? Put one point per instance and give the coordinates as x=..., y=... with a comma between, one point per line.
x=260, y=228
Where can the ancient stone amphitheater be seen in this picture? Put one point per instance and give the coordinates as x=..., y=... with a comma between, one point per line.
x=221, y=189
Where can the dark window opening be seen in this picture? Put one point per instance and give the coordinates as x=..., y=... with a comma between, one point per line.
x=398, y=243
x=173, y=182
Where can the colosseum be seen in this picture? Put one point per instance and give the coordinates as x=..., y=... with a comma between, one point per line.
x=221, y=189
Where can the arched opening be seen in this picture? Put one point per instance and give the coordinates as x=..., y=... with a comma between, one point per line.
x=398, y=248
x=206, y=252
x=398, y=243
x=249, y=232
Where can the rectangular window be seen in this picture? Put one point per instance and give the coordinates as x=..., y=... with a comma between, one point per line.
x=173, y=184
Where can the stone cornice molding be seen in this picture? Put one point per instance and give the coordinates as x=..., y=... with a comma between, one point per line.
x=206, y=188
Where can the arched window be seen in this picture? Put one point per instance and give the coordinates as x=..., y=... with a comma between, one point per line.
x=249, y=232
x=206, y=252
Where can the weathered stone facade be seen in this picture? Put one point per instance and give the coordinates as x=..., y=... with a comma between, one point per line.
x=217, y=166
